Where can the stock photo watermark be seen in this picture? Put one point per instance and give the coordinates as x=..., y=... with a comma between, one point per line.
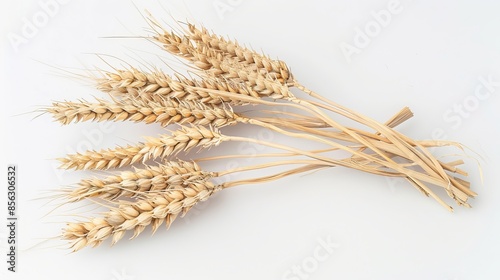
x=324, y=249
x=93, y=138
x=363, y=36
x=31, y=25
x=223, y=7
x=195, y=211
x=455, y=116
x=250, y=150
x=11, y=222
x=121, y=275
x=487, y=87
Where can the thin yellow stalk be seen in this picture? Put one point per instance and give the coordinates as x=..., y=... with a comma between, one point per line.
x=270, y=164
x=390, y=163
x=427, y=162
x=273, y=177
x=221, y=157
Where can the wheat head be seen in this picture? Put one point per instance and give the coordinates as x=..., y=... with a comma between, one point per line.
x=183, y=139
x=140, y=182
x=136, y=216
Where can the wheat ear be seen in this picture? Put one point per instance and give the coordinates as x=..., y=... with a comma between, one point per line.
x=140, y=182
x=157, y=86
x=235, y=54
x=183, y=139
x=152, y=210
x=233, y=62
x=151, y=86
x=165, y=112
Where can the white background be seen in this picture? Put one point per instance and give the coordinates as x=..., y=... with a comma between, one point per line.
x=431, y=56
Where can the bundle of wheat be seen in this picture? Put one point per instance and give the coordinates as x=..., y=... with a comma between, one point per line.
x=228, y=76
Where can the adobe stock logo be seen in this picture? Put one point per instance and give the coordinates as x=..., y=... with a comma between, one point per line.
x=323, y=250
x=222, y=7
x=463, y=110
x=32, y=25
x=121, y=275
x=92, y=138
x=363, y=37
